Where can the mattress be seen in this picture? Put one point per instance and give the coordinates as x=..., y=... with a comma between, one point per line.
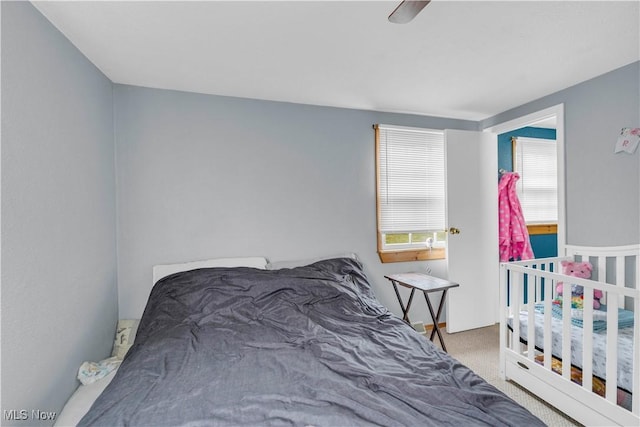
x=625, y=346
x=303, y=346
x=81, y=400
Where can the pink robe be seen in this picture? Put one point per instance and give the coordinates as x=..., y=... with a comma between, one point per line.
x=513, y=236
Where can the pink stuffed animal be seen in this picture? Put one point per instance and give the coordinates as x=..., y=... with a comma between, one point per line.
x=583, y=270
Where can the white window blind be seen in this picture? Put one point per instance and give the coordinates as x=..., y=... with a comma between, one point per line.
x=411, y=190
x=538, y=185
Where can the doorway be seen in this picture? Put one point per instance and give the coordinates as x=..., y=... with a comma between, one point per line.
x=552, y=117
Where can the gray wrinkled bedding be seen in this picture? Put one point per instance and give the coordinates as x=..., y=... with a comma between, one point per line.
x=308, y=346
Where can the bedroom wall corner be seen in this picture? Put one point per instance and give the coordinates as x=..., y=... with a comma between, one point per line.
x=205, y=176
x=59, y=289
x=602, y=197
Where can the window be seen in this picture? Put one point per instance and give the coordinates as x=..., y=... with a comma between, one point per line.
x=535, y=161
x=410, y=193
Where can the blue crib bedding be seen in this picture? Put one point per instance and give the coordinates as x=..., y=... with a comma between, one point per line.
x=625, y=317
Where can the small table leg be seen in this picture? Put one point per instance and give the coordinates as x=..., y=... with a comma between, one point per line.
x=436, y=317
x=405, y=311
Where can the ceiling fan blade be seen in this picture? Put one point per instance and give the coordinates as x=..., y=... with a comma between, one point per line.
x=406, y=11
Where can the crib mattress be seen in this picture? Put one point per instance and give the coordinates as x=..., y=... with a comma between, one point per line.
x=625, y=346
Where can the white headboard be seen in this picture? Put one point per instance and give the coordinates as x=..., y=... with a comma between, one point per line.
x=163, y=270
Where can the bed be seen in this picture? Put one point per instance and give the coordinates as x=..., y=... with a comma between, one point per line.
x=585, y=362
x=308, y=345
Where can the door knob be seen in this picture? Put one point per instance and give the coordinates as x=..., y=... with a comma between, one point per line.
x=454, y=230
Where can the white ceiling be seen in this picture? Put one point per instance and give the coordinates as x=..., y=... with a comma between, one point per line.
x=467, y=60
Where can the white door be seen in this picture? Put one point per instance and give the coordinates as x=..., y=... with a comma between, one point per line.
x=472, y=208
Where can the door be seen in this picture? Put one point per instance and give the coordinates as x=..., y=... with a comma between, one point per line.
x=472, y=221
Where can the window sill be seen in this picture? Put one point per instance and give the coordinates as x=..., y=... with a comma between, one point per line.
x=412, y=255
x=542, y=229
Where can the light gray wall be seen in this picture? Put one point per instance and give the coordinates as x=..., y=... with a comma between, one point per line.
x=59, y=293
x=603, y=196
x=204, y=176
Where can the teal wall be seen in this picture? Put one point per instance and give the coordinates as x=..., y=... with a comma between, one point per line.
x=544, y=245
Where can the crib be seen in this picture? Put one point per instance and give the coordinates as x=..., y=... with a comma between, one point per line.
x=538, y=337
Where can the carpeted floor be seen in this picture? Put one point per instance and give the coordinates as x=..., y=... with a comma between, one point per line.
x=479, y=349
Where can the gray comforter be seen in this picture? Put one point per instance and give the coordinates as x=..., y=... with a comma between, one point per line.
x=308, y=346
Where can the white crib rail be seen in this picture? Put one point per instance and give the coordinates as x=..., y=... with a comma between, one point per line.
x=618, y=254
x=517, y=359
